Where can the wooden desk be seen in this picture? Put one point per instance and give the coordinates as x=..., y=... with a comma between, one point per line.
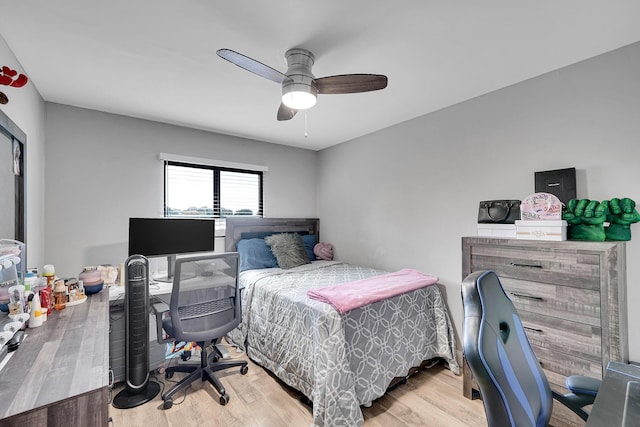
x=615, y=398
x=59, y=374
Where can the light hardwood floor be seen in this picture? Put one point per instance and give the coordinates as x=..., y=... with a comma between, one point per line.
x=432, y=397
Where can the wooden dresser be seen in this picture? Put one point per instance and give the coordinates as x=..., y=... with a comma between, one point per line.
x=571, y=297
x=59, y=376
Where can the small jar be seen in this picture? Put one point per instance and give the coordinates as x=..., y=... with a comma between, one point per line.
x=72, y=289
x=90, y=275
x=30, y=281
x=16, y=299
x=60, y=295
x=49, y=274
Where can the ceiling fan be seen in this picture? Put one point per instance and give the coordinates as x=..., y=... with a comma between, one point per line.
x=299, y=86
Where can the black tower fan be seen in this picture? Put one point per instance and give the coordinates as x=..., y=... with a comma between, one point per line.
x=138, y=389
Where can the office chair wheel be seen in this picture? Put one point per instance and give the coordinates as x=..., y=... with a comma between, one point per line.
x=244, y=370
x=168, y=374
x=168, y=403
x=224, y=399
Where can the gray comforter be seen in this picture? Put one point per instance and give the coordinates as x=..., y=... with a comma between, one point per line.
x=338, y=361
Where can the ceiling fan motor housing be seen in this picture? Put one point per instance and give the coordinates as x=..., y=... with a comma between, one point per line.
x=299, y=62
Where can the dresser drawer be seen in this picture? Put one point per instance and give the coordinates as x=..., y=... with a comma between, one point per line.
x=567, y=268
x=550, y=300
x=557, y=370
x=562, y=339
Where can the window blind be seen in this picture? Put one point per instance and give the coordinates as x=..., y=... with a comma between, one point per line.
x=210, y=191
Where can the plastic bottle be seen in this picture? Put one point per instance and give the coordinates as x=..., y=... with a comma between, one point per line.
x=49, y=273
x=30, y=281
x=16, y=299
x=36, y=312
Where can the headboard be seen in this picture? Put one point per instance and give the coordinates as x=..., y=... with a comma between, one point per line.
x=236, y=226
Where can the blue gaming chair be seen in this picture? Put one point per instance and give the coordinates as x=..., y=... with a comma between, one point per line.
x=514, y=389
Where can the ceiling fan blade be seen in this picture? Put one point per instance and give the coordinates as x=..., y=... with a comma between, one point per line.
x=285, y=113
x=252, y=65
x=351, y=83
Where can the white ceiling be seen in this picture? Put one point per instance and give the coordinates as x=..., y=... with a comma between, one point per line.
x=155, y=59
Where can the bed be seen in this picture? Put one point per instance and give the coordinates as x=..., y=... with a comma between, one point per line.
x=338, y=361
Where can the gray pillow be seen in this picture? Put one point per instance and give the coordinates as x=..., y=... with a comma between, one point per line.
x=288, y=249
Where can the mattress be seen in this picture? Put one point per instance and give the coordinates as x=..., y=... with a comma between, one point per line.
x=339, y=361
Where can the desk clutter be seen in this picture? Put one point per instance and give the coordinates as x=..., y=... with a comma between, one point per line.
x=38, y=297
x=29, y=298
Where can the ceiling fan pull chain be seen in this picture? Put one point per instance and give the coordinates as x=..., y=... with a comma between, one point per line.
x=305, y=124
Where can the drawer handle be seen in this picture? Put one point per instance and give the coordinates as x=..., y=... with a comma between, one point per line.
x=533, y=329
x=518, y=264
x=515, y=294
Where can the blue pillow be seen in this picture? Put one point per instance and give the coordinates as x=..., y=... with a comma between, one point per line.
x=309, y=242
x=254, y=253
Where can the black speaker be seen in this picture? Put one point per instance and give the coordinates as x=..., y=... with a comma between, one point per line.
x=138, y=389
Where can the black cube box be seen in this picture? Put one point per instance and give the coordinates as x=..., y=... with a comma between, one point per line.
x=560, y=182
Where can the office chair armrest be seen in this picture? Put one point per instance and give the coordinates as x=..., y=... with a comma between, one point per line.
x=583, y=386
x=569, y=403
x=159, y=310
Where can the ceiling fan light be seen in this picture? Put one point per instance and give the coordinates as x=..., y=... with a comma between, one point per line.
x=299, y=92
x=299, y=100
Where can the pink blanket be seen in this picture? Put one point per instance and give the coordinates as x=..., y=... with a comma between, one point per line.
x=350, y=295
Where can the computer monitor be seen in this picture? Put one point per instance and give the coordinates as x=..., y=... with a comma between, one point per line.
x=155, y=237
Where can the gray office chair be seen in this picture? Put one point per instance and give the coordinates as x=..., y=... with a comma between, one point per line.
x=514, y=389
x=205, y=305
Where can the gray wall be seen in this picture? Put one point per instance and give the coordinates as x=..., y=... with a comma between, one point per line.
x=404, y=196
x=104, y=168
x=26, y=109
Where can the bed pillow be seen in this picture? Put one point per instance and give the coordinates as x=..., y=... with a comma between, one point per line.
x=323, y=251
x=255, y=253
x=310, y=241
x=289, y=250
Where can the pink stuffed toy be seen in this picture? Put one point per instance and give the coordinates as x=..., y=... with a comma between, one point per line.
x=323, y=251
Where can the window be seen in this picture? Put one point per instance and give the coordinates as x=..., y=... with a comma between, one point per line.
x=193, y=190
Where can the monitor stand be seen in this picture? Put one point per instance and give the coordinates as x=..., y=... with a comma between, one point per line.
x=171, y=262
